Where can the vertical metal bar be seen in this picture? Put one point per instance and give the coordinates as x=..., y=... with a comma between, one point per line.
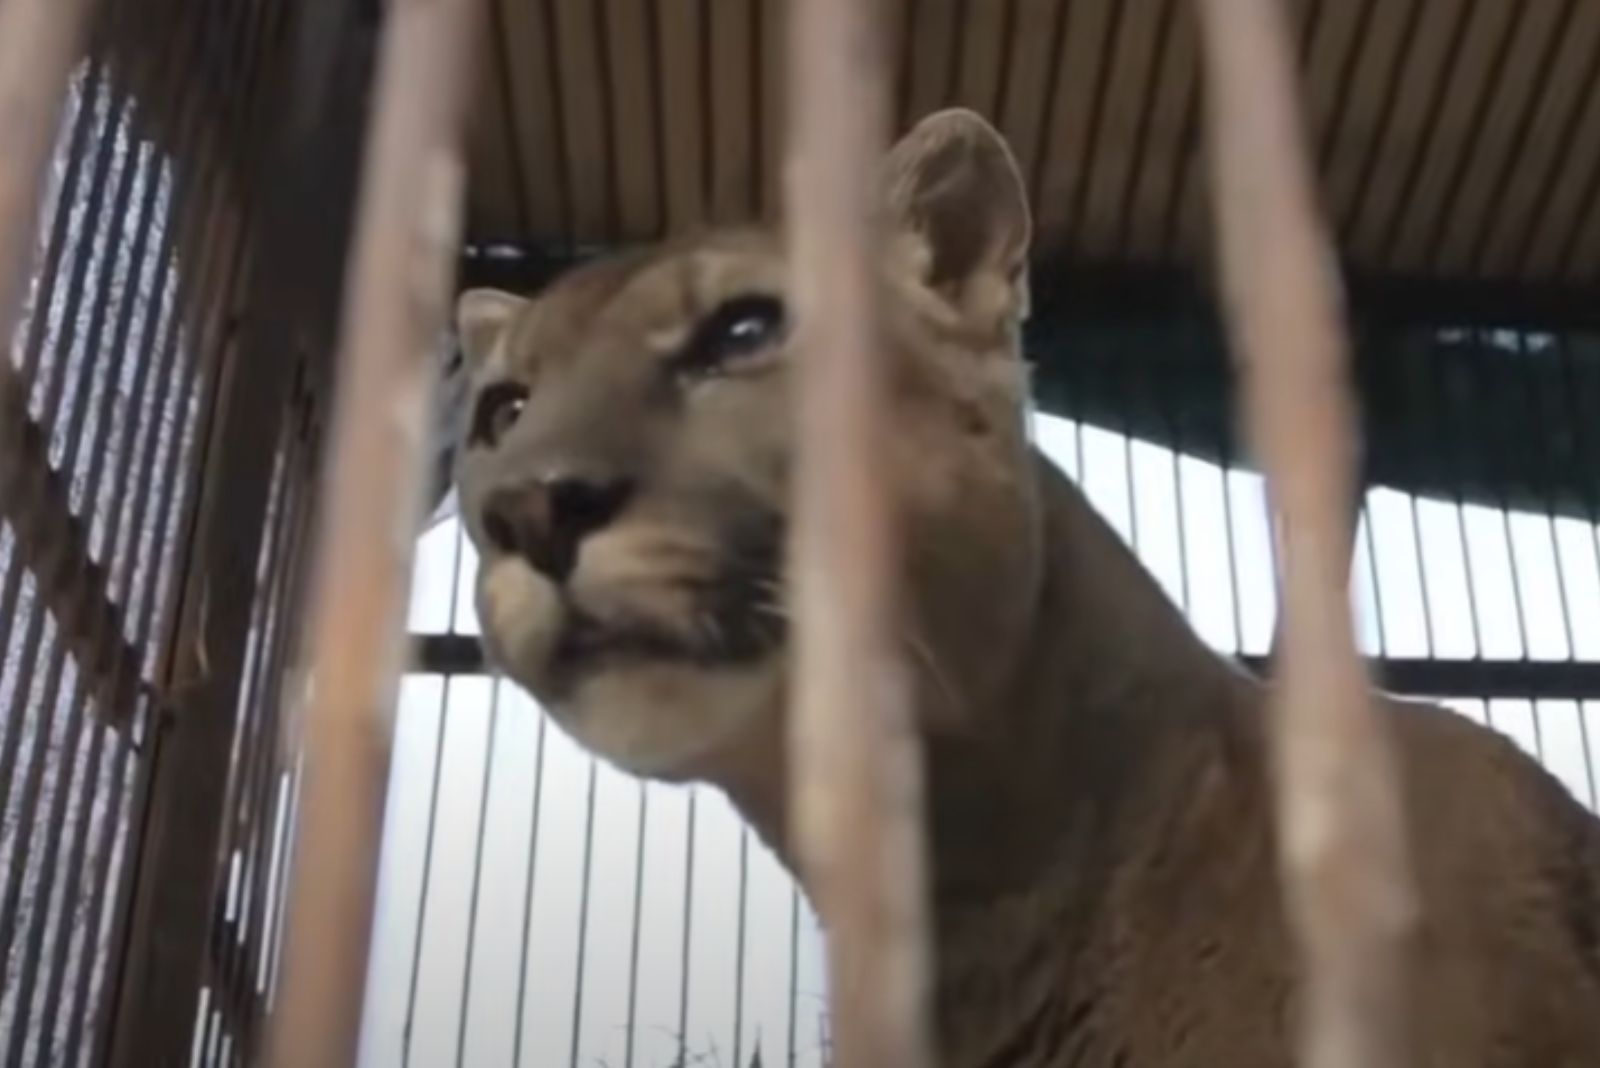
x=1591, y=501
x=39, y=40
x=688, y=933
x=477, y=871
x=583, y=915
x=854, y=781
x=1347, y=879
x=400, y=280
x=428, y=837
x=1364, y=521
x=794, y=971
x=638, y=909
x=240, y=965
x=1485, y=340
x=427, y=870
x=739, y=946
x=527, y=896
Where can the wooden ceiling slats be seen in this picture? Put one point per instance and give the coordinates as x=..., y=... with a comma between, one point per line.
x=1574, y=81
x=731, y=42
x=1475, y=71
x=583, y=60
x=1456, y=138
x=1418, y=79
x=1508, y=112
x=1159, y=171
x=535, y=131
x=495, y=210
x=1391, y=74
x=1085, y=47
x=685, y=110
x=934, y=54
x=773, y=70
x=634, y=145
x=1122, y=124
x=984, y=51
x=1032, y=46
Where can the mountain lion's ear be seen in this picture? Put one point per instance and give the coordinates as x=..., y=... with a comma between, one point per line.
x=953, y=184
x=482, y=315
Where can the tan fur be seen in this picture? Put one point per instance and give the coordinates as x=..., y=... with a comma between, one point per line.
x=1104, y=875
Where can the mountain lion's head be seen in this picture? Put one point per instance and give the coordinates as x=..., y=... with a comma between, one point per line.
x=625, y=471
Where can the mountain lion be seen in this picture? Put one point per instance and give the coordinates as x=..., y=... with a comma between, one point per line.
x=1103, y=878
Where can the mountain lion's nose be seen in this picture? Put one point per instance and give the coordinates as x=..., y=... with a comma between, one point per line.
x=546, y=520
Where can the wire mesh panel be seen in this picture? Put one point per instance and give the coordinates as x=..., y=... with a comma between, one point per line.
x=135, y=340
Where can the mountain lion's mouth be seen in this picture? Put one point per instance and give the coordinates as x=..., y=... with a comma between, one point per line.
x=735, y=617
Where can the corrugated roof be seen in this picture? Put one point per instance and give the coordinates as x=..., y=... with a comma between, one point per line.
x=1456, y=138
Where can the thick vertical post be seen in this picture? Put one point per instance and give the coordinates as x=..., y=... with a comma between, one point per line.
x=396, y=302
x=1344, y=859
x=855, y=786
x=39, y=39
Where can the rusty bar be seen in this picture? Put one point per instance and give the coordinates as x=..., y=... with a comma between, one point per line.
x=396, y=305
x=39, y=40
x=855, y=774
x=1347, y=880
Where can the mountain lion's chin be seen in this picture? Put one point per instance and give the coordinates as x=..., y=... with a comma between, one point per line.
x=666, y=720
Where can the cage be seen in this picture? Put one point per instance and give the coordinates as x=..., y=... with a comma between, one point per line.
x=168, y=406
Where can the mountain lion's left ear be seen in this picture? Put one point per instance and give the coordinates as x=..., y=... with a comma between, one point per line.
x=953, y=184
x=482, y=316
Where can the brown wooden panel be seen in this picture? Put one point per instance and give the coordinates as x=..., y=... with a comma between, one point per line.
x=1368, y=102
x=685, y=109
x=635, y=150
x=581, y=58
x=494, y=209
x=1444, y=152
x=734, y=99
x=1532, y=53
x=1573, y=85
x=1028, y=79
x=1335, y=42
x=934, y=52
x=983, y=40
x=1143, y=30
x=1401, y=130
x=1063, y=163
x=535, y=116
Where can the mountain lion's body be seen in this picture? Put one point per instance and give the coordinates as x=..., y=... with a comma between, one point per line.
x=1103, y=871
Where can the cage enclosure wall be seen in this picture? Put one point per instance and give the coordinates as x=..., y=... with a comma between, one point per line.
x=162, y=447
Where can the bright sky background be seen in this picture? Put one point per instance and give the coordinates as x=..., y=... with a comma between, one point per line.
x=489, y=797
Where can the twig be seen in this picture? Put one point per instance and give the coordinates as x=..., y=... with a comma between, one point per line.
x=1344, y=857
x=855, y=786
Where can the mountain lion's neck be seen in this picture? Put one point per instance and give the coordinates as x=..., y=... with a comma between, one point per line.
x=1114, y=677
x=1113, y=681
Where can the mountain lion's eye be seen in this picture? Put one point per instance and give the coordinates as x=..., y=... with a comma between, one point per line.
x=738, y=328
x=499, y=408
